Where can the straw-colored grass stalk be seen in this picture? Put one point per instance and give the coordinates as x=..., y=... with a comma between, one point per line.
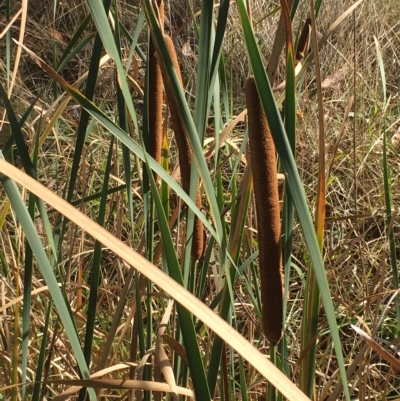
x=184, y=152
x=263, y=161
x=155, y=95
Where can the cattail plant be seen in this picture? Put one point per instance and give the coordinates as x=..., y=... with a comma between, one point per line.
x=263, y=161
x=155, y=95
x=304, y=40
x=185, y=152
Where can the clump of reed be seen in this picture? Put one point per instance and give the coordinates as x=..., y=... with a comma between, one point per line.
x=263, y=162
x=156, y=95
x=184, y=151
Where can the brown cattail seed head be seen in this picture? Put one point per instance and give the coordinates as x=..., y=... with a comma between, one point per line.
x=184, y=151
x=304, y=40
x=263, y=161
x=155, y=96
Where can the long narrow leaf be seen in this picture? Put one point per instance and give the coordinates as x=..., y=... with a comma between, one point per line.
x=84, y=119
x=387, y=182
x=96, y=265
x=288, y=207
x=312, y=293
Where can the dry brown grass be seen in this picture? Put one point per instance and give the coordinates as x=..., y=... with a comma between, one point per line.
x=357, y=255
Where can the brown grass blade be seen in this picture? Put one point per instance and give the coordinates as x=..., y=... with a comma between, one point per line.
x=10, y=24
x=124, y=384
x=161, y=357
x=377, y=348
x=277, y=47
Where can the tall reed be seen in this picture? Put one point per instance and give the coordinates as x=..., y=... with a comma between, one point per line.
x=185, y=152
x=263, y=161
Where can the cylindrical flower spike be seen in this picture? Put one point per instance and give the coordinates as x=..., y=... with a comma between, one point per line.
x=263, y=161
x=155, y=96
x=185, y=152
